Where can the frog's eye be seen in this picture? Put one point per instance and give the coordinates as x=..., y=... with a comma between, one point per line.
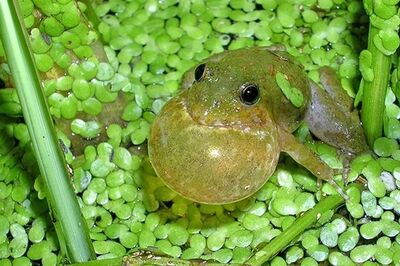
x=199, y=72
x=249, y=94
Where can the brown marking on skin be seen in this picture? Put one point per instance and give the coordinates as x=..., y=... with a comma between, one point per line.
x=271, y=70
x=289, y=78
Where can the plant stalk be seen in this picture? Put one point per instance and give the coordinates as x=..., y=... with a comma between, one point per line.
x=373, y=103
x=293, y=231
x=71, y=228
x=90, y=14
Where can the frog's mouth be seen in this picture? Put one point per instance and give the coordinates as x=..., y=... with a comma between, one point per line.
x=214, y=115
x=204, y=118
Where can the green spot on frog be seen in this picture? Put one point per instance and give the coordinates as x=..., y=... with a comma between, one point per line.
x=220, y=139
x=294, y=95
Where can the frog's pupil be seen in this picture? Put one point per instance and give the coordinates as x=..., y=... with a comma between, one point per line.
x=249, y=94
x=199, y=72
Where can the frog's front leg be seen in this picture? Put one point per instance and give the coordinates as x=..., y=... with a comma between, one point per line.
x=333, y=122
x=307, y=158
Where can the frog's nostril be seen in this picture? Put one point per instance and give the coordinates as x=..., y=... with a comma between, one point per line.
x=199, y=72
x=216, y=103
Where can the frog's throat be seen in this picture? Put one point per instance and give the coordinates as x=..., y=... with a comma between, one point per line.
x=213, y=165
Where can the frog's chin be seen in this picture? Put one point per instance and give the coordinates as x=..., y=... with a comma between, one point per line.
x=210, y=164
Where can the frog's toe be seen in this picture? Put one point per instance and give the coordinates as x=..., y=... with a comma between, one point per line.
x=338, y=189
x=346, y=170
x=319, y=183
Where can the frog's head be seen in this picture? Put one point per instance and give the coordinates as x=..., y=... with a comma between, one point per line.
x=216, y=142
x=224, y=96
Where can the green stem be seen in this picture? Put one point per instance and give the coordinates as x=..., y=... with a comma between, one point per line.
x=299, y=226
x=91, y=14
x=374, y=92
x=106, y=262
x=71, y=228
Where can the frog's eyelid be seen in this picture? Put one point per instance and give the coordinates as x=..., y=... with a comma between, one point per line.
x=199, y=72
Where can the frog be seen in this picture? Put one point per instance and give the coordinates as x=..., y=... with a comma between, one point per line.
x=220, y=139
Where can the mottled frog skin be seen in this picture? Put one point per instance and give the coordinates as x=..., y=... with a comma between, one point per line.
x=219, y=140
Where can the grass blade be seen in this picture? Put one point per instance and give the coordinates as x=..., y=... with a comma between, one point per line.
x=71, y=227
x=298, y=227
x=373, y=103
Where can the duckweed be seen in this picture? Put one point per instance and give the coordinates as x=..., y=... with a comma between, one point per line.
x=109, y=98
x=294, y=95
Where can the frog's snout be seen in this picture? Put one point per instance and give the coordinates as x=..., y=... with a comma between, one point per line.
x=210, y=112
